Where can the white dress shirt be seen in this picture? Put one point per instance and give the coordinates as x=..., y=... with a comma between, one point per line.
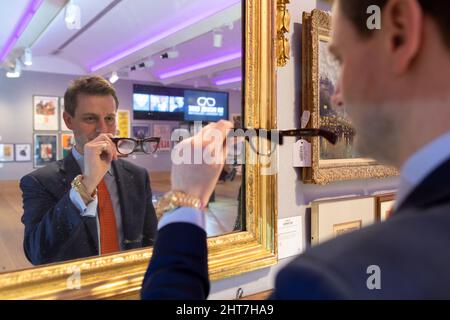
x=90, y=210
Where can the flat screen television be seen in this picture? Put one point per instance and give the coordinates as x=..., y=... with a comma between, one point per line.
x=206, y=106
x=158, y=103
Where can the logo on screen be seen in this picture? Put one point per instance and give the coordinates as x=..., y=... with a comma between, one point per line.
x=204, y=101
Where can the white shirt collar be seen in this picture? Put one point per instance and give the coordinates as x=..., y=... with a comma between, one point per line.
x=422, y=164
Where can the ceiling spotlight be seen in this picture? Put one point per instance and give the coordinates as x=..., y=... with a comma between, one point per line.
x=217, y=39
x=73, y=16
x=170, y=54
x=27, y=57
x=114, y=77
x=149, y=63
x=146, y=64
x=15, y=72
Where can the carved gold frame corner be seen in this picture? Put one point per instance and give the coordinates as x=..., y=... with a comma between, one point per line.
x=283, y=26
x=316, y=27
x=119, y=276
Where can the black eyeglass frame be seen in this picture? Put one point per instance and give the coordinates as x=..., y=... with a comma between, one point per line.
x=267, y=133
x=139, y=144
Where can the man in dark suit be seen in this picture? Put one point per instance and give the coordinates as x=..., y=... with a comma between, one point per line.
x=393, y=84
x=91, y=202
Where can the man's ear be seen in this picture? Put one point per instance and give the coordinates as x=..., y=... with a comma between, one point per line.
x=403, y=20
x=68, y=120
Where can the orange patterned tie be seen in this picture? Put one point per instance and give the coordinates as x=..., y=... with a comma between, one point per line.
x=108, y=229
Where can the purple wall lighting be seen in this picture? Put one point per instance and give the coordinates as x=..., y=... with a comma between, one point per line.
x=188, y=22
x=201, y=65
x=222, y=82
x=20, y=27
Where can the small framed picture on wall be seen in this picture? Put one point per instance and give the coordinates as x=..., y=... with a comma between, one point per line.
x=23, y=152
x=45, y=149
x=67, y=141
x=163, y=131
x=385, y=206
x=332, y=218
x=45, y=113
x=140, y=131
x=6, y=152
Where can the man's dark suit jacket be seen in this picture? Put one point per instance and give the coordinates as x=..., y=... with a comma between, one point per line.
x=55, y=230
x=411, y=250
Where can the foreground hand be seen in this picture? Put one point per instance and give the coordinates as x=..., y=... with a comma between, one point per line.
x=198, y=177
x=98, y=155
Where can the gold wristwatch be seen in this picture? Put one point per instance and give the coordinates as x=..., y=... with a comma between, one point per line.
x=79, y=187
x=175, y=199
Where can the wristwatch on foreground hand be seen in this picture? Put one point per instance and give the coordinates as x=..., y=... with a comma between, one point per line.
x=78, y=186
x=175, y=199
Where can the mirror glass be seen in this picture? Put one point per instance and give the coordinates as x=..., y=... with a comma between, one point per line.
x=174, y=64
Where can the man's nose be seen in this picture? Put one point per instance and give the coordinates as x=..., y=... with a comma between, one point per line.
x=102, y=127
x=336, y=98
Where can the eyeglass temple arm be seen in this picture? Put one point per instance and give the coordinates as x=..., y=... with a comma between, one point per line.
x=328, y=135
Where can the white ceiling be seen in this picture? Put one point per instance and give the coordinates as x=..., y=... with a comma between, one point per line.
x=117, y=34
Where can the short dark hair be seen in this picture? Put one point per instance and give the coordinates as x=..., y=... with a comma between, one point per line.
x=356, y=12
x=90, y=85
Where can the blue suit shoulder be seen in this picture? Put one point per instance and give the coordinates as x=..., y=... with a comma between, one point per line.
x=408, y=250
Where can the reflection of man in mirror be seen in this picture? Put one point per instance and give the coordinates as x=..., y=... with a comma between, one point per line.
x=91, y=202
x=395, y=89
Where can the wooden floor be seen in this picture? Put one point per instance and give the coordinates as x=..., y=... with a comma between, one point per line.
x=221, y=216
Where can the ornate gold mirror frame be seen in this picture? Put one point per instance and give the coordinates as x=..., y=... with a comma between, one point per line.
x=119, y=276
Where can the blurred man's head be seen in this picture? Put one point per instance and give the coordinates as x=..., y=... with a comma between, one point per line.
x=393, y=81
x=90, y=105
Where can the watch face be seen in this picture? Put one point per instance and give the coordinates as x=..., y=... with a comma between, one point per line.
x=164, y=201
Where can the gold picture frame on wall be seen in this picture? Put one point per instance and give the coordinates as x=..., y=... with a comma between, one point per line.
x=385, y=206
x=332, y=218
x=119, y=276
x=319, y=77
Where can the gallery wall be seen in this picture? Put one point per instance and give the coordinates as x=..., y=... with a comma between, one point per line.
x=16, y=118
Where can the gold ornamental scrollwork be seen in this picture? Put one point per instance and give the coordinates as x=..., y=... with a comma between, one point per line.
x=283, y=23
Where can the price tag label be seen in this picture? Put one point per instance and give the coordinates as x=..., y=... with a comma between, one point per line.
x=301, y=154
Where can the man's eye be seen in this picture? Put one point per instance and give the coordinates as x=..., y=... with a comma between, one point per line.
x=89, y=119
x=110, y=119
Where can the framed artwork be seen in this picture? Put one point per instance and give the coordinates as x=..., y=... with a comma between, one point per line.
x=45, y=113
x=329, y=162
x=62, y=126
x=45, y=149
x=140, y=131
x=163, y=131
x=23, y=152
x=67, y=141
x=6, y=152
x=385, y=206
x=123, y=123
x=332, y=218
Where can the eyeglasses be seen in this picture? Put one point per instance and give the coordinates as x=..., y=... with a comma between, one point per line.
x=127, y=146
x=251, y=136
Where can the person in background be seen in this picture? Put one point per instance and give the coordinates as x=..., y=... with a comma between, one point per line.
x=91, y=202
